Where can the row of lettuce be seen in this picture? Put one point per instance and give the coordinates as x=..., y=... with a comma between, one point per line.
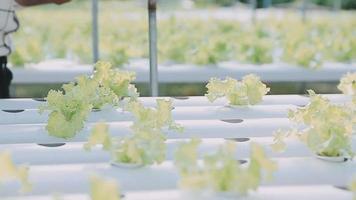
x=197, y=41
x=327, y=131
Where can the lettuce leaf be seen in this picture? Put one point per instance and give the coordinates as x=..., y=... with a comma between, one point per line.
x=327, y=128
x=249, y=91
x=99, y=135
x=9, y=171
x=220, y=171
x=101, y=188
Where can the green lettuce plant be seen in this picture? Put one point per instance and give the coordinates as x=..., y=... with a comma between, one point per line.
x=146, y=145
x=220, y=171
x=99, y=135
x=348, y=85
x=101, y=189
x=326, y=128
x=70, y=108
x=249, y=91
x=9, y=171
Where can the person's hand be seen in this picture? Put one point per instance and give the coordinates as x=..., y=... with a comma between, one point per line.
x=58, y=2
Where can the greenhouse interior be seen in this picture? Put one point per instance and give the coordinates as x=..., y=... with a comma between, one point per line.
x=177, y=99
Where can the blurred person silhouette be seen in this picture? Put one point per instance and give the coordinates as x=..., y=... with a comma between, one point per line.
x=9, y=24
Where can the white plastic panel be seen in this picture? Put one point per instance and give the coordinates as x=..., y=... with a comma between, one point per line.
x=74, y=178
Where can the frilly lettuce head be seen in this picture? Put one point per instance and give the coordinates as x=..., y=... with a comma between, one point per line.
x=153, y=118
x=221, y=172
x=101, y=189
x=327, y=128
x=71, y=107
x=99, y=135
x=146, y=145
x=9, y=171
x=352, y=187
x=249, y=91
x=143, y=147
x=69, y=111
x=116, y=80
x=348, y=84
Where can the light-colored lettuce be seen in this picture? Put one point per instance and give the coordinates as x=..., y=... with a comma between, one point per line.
x=69, y=111
x=99, y=135
x=220, y=171
x=101, y=189
x=70, y=108
x=249, y=91
x=348, y=84
x=326, y=128
x=146, y=145
x=9, y=171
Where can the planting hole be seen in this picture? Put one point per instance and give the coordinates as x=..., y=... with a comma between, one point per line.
x=232, y=121
x=13, y=111
x=240, y=139
x=40, y=99
x=342, y=187
x=53, y=145
x=181, y=98
x=242, y=161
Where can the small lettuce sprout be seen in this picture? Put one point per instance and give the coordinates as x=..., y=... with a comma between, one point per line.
x=249, y=91
x=9, y=171
x=142, y=148
x=146, y=145
x=118, y=81
x=99, y=135
x=107, y=189
x=352, y=187
x=221, y=172
x=327, y=128
x=348, y=84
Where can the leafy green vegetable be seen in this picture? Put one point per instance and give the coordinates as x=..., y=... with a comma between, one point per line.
x=101, y=188
x=9, y=171
x=348, y=84
x=147, y=144
x=221, y=172
x=352, y=187
x=327, y=129
x=118, y=81
x=70, y=109
x=248, y=91
x=99, y=135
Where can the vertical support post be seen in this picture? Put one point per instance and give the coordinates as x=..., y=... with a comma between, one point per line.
x=95, y=31
x=253, y=6
x=303, y=10
x=152, y=21
x=267, y=3
x=337, y=5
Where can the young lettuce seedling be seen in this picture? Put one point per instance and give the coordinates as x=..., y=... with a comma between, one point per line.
x=220, y=172
x=249, y=91
x=327, y=128
x=9, y=171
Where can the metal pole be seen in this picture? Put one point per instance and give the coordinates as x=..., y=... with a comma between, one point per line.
x=303, y=10
x=337, y=5
x=152, y=21
x=95, y=32
x=253, y=6
x=267, y=3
